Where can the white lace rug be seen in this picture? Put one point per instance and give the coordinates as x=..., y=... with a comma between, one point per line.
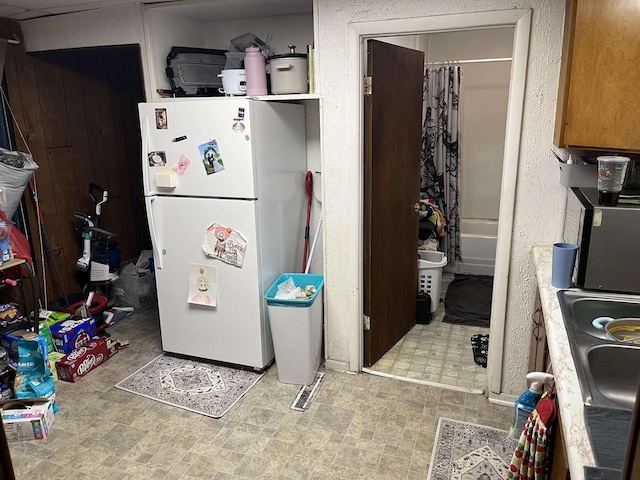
x=198, y=386
x=465, y=451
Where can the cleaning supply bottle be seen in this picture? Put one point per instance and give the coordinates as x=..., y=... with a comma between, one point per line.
x=526, y=403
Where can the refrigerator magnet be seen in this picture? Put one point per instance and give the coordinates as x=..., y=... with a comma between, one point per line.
x=203, y=285
x=211, y=158
x=225, y=244
x=157, y=159
x=182, y=164
x=161, y=119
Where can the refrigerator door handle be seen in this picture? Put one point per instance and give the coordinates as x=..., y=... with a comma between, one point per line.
x=157, y=257
x=145, y=151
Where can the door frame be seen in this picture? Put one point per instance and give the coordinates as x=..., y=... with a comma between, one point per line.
x=358, y=34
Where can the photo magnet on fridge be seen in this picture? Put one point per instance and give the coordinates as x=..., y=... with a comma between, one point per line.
x=211, y=158
x=161, y=119
x=182, y=164
x=157, y=159
x=203, y=285
x=224, y=243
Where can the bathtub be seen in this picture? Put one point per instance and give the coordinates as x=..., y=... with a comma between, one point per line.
x=478, y=240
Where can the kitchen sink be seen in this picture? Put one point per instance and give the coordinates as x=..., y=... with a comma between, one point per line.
x=584, y=309
x=607, y=370
x=614, y=370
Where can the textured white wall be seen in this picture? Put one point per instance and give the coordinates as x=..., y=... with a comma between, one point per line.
x=166, y=31
x=285, y=29
x=539, y=197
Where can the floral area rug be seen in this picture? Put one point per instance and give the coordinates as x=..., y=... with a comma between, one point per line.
x=465, y=451
x=198, y=386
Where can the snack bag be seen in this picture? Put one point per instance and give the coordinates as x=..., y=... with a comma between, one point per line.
x=45, y=332
x=33, y=377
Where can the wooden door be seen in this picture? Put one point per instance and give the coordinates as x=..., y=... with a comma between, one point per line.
x=393, y=131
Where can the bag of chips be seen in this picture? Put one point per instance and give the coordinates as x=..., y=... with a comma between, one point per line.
x=33, y=377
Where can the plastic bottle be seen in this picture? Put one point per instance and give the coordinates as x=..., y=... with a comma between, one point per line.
x=526, y=403
x=256, y=71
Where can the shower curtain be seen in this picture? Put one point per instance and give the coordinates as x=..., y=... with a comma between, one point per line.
x=440, y=179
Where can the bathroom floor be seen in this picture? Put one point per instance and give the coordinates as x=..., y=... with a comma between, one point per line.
x=438, y=353
x=358, y=427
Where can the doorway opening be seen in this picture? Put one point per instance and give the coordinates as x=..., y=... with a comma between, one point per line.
x=451, y=349
x=517, y=26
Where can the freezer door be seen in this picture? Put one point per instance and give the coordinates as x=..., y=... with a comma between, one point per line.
x=234, y=330
x=197, y=148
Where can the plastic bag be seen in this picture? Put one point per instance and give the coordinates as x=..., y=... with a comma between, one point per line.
x=287, y=290
x=16, y=169
x=133, y=290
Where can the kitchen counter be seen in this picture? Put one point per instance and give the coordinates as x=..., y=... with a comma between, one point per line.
x=570, y=401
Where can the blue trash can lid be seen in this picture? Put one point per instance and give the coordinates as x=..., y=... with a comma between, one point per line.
x=301, y=280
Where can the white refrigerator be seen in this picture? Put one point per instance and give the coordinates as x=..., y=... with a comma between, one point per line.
x=225, y=200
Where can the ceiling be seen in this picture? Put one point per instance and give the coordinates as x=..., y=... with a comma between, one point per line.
x=203, y=10
x=25, y=9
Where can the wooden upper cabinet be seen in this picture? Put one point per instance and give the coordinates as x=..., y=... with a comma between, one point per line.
x=599, y=93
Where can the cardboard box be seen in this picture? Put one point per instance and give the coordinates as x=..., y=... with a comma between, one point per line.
x=81, y=361
x=9, y=341
x=50, y=317
x=72, y=333
x=27, y=418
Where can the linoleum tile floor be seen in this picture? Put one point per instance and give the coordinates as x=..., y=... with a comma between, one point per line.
x=358, y=427
x=437, y=352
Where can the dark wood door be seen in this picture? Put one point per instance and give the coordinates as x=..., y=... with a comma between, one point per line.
x=393, y=114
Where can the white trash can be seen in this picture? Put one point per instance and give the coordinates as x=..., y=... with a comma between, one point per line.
x=296, y=328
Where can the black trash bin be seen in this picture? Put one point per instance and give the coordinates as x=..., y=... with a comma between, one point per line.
x=423, y=308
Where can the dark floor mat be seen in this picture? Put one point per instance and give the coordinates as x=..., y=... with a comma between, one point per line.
x=468, y=300
x=480, y=346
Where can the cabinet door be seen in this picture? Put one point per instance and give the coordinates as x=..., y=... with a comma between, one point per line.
x=559, y=461
x=599, y=101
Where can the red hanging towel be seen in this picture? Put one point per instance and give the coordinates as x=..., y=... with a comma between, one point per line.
x=530, y=457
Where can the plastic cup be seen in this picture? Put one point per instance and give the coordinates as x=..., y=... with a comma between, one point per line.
x=611, y=173
x=564, y=257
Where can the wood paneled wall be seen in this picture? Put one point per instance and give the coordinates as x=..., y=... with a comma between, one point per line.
x=77, y=110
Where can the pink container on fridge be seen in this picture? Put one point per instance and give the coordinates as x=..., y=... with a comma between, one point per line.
x=256, y=71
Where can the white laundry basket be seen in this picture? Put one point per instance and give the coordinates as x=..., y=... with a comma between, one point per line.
x=430, y=265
